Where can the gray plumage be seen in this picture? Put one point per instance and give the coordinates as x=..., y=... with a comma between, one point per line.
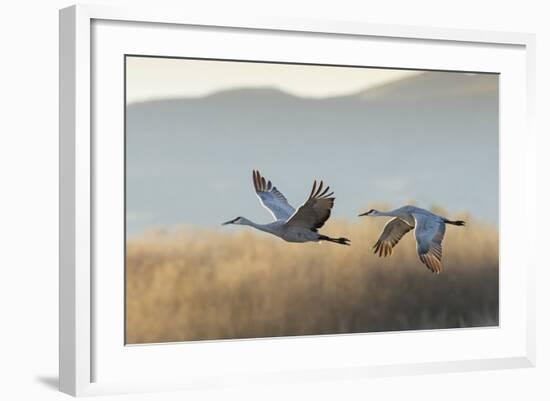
x=429, y=230
x=293, y=225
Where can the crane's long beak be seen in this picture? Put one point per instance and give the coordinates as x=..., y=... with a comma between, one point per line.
x=367, y=213
x=228, y=222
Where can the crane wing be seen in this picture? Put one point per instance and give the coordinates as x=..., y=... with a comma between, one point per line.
x=315, y=211
x=271, y=198
x=429, y=233
x=393, y=231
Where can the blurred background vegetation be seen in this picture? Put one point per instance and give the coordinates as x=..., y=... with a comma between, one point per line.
x=205, y=284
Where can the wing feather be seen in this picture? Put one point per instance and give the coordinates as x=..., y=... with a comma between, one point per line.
x=270, y=197
x=393, y=231
x=315, y=211
x=429, y=233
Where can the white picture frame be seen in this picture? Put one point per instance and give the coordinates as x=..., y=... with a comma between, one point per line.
x=92, y=352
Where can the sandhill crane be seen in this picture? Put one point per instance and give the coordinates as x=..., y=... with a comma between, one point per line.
x=429, y=229
x=291, y=225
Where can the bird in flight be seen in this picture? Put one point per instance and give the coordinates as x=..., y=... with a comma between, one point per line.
x=293, y=225
x=429, y=230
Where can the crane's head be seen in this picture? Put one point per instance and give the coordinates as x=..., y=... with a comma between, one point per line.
x=372, y=212
x=236, y=220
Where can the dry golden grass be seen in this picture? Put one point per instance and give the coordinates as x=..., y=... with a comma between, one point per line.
x=200, y=284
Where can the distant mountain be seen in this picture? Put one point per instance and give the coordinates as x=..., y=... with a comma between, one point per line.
x=433, y=86
x=432, y=137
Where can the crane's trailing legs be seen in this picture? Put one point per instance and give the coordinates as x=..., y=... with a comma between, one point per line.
x=455, y=222
x=341, y=240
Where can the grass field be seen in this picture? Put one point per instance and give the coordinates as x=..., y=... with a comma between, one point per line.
x=195, y=284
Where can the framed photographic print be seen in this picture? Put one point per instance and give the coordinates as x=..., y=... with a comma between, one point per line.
x=279, y=200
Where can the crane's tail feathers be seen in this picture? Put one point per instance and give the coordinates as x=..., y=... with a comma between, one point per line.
x=455, y=222
x=341, y=240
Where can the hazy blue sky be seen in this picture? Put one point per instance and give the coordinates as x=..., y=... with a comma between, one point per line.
x=375, y=136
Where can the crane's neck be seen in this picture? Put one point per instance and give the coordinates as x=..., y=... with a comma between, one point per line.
x=391, y=213
x=262, y=227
